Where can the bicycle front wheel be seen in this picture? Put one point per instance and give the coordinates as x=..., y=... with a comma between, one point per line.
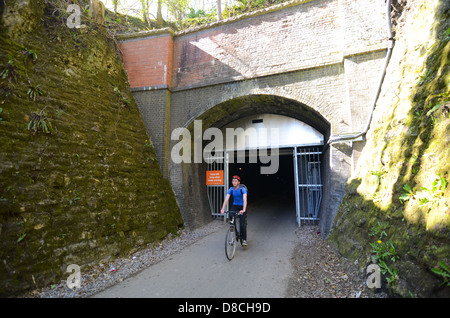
x=230, y=243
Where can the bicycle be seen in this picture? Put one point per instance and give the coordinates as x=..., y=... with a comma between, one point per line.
x=233, y=236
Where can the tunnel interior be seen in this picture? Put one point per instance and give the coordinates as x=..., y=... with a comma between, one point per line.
x=278, y=187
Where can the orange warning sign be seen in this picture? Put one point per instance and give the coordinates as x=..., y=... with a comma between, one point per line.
x=214, y=177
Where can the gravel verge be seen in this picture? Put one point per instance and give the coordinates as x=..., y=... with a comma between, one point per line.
x=105, y=275
x=318, y=270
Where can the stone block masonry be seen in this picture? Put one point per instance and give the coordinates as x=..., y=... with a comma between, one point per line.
x=89, y=191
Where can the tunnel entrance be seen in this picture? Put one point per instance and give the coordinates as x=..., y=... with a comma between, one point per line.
x=287, y=173
x=279, y=187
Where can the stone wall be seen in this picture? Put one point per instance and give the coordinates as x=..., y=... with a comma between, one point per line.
x=400, y=185
x=90, y=188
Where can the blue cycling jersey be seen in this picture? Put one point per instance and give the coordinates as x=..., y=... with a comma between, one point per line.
x=238, y=197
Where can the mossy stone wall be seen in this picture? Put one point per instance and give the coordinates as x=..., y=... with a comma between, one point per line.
x=90, y=188
x=401, y=184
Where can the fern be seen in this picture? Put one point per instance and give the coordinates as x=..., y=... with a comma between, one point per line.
x=444, y=273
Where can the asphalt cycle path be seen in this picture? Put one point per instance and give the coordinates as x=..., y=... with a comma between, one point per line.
x=201, y=270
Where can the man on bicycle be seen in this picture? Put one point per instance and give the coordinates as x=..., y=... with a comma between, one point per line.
x=239, y=194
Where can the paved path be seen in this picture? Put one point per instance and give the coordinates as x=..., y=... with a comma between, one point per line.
x=201, y=270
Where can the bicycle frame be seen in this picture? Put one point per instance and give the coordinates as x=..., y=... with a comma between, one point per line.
x=232, y=236
x=234, y=221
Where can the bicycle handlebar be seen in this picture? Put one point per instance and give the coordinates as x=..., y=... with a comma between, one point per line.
x=227, y=215
x=236, y=212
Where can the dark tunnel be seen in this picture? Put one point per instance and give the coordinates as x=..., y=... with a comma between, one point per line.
x=277, y=187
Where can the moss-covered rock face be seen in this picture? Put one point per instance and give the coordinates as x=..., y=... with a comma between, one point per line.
x=400, y=193
x=79, y=180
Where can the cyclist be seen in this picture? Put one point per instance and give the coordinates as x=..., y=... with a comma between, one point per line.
x=239, y=194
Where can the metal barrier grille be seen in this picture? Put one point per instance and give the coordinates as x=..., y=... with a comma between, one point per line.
x=308, y=183
x=216, y=193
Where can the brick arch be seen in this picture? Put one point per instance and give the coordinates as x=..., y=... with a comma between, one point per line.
x=292, y=93
x=290, y=102
x=304, y=59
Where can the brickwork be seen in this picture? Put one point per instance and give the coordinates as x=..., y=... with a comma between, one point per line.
x=364, y=26
x=323, y=91
x=278, y=42
x=315, y=60
x=361, y=93
x=148, y=60
x=154, y=117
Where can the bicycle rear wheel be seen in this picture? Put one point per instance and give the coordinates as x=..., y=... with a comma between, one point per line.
x=230, y=243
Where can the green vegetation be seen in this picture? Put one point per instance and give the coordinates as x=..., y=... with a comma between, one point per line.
x=39, y=122
x=384, y=253
x=427, y=196
x=443, y=272
x=182, y=14
x=29, y=55
x=8, y=71
x=404, y=202
x=123, y=99
x=77, y=186
x=34, y=91
x=200, y=17
x=379, y=230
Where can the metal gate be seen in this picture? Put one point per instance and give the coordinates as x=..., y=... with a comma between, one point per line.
x=308, y=183
x=216, y=181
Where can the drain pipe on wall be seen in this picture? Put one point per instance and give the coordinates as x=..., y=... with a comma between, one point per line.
x=353, y=136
